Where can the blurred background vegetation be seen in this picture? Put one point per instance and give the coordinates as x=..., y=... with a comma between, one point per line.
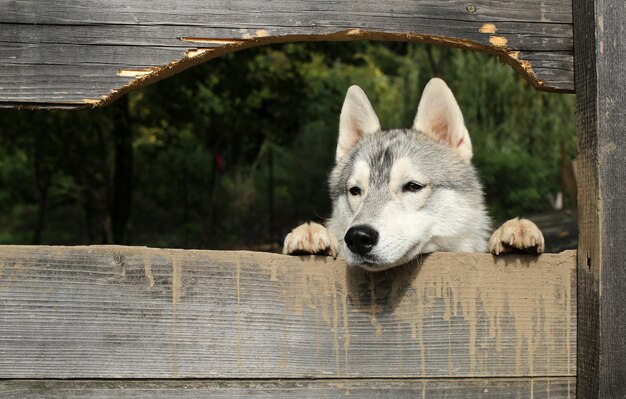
x=235, y=152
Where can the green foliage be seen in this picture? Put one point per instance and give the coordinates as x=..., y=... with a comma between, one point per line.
x=235, y=152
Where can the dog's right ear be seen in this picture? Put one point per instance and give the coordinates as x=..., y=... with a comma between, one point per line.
x=439, y=116
x=357, y=120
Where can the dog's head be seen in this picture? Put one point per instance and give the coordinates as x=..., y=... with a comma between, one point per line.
x=399, y=193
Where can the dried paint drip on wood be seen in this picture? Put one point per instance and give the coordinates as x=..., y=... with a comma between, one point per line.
x=418, y=294
x=209, y=314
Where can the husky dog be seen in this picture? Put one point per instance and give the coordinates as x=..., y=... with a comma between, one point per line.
x=400, y=193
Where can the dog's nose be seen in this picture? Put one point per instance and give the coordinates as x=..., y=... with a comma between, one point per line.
x=361, y=239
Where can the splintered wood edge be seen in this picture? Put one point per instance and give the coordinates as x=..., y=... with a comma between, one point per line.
x=195, y=56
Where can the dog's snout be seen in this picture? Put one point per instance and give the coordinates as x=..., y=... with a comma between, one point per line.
x=361, y=239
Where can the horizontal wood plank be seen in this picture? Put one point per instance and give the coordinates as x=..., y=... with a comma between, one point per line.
x=501, y=388
x=130, y=312
x=117, y=36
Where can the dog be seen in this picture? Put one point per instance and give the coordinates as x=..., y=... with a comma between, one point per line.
x=400, y=193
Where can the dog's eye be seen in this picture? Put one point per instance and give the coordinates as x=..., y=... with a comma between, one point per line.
x=355, y=190
x=412, y=187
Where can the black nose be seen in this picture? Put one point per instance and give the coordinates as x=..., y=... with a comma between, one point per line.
x=361, y=239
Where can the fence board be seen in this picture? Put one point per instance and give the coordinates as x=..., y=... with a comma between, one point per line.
x=601, y=123
x=129, y=312
x=58, y=40
x=499, y=388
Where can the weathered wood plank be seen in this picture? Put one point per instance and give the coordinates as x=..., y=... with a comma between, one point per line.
x=500, y=388
x=193, y=12
x=601, y=123
x=119, y=36
x=519, y=35
x=125, y=312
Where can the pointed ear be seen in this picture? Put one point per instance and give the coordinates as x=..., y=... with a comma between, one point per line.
x=357, y=120
x=439, y=116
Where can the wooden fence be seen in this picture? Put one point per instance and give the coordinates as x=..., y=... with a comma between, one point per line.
x=249, y=324
x=106, y=322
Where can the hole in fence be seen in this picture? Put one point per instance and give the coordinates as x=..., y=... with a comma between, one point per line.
x=235, y=152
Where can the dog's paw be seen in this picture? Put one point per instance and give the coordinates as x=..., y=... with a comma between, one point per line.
x=310, y=238
x=517, y=235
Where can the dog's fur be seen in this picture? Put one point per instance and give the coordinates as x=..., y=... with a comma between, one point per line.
x=400, y=193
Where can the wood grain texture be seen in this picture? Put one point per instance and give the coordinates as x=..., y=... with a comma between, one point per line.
x=501, y=388
x=129, y=312
x=601, y=123
x=48, y=44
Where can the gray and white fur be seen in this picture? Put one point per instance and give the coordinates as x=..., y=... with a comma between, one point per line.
x=400, y=193
x=446, y=214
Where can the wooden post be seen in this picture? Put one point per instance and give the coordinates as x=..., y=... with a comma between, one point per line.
x=600, y=82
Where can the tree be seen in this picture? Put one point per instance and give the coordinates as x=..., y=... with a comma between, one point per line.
x=235, y=152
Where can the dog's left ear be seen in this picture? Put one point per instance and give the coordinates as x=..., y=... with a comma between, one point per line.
x=439, y=116
x=357, y=120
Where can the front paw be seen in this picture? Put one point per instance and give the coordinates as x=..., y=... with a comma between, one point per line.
x=517, y=235
x=310, y=238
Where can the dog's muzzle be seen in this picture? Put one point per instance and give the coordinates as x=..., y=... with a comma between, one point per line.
x=361, y=239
